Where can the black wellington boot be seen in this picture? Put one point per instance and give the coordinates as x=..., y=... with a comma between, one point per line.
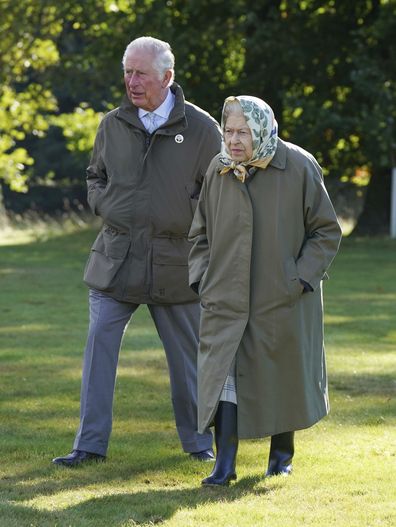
x=281, y=454
x=226, y=439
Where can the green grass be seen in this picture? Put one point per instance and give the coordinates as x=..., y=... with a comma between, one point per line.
x=344, y=467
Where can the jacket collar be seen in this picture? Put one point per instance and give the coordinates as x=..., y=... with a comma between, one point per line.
x=279, y=159
x=176, y=123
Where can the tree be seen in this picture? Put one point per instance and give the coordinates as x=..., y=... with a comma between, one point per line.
x=61, y=70
x=24, y=101
x=327, y=67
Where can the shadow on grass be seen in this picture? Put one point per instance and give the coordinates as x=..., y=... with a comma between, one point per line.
x=32, y=492
x=143, y=507
x=369, y=384
x=363, y=399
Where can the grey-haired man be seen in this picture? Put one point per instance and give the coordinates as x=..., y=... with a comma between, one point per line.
x=145, y=175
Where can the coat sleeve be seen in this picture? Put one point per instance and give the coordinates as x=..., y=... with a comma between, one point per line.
x=199, y=255
x=96, y=173
x=212, y=145
x=322, y=230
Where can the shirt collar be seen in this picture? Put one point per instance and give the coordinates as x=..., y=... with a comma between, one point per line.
x=163, y=109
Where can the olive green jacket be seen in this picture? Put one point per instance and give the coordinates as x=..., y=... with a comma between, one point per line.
x=253, y=243
x=145, y=189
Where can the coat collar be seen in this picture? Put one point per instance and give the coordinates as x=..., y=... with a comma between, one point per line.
x=279, y=159
x=176, y=123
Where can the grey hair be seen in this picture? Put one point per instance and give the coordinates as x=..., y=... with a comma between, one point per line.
x=164, y=60
x=231, y=106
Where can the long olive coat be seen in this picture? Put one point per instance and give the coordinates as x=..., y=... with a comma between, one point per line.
x=253, y=243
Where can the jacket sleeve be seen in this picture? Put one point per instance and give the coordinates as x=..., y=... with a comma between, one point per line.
x=322, y=230
x=96, y=173
x=199, y=255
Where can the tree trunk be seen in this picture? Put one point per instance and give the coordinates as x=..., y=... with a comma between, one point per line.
x=375, y=217
x=3, y=214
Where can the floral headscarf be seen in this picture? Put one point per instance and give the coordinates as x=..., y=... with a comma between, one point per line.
x=262, y=123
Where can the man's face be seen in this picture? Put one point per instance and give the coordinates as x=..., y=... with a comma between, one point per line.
x=145, y=87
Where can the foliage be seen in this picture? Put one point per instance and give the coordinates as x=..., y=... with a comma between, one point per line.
x=24, y=101
x=327, y=67
x=79, y=127
x=333, y=78
x=344, y=468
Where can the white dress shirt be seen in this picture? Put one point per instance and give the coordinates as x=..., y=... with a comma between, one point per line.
x=153, y=120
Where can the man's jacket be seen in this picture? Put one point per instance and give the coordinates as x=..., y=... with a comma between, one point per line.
x=145, y=189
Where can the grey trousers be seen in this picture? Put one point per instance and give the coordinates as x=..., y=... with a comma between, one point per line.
x=177, y=327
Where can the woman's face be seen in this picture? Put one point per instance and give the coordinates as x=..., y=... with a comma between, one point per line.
x=238, y=138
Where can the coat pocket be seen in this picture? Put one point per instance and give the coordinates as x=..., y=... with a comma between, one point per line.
x=108, y=253
x=294, y=286
x=169, y=284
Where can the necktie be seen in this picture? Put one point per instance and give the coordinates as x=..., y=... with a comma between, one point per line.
x=151, y=123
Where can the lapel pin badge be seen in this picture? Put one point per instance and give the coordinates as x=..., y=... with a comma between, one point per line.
x=179, y=138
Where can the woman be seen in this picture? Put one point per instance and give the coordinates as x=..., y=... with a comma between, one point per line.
x=264, y=234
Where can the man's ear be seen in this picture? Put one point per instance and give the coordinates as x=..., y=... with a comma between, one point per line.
x=166, y=79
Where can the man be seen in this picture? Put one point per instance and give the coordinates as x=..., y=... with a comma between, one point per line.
x=148, y=162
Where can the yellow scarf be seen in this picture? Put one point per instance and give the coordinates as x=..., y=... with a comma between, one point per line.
x=240, y=171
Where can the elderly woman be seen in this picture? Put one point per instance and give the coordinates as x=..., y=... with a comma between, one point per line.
x=264, y=234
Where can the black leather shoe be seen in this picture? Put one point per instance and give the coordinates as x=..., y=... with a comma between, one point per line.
x=77, y=457
x=204, y=455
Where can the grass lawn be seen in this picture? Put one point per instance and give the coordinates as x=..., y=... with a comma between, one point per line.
x=344, y=467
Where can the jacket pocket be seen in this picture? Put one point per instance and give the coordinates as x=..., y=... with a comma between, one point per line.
x=169, y=283
x=108, y=253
